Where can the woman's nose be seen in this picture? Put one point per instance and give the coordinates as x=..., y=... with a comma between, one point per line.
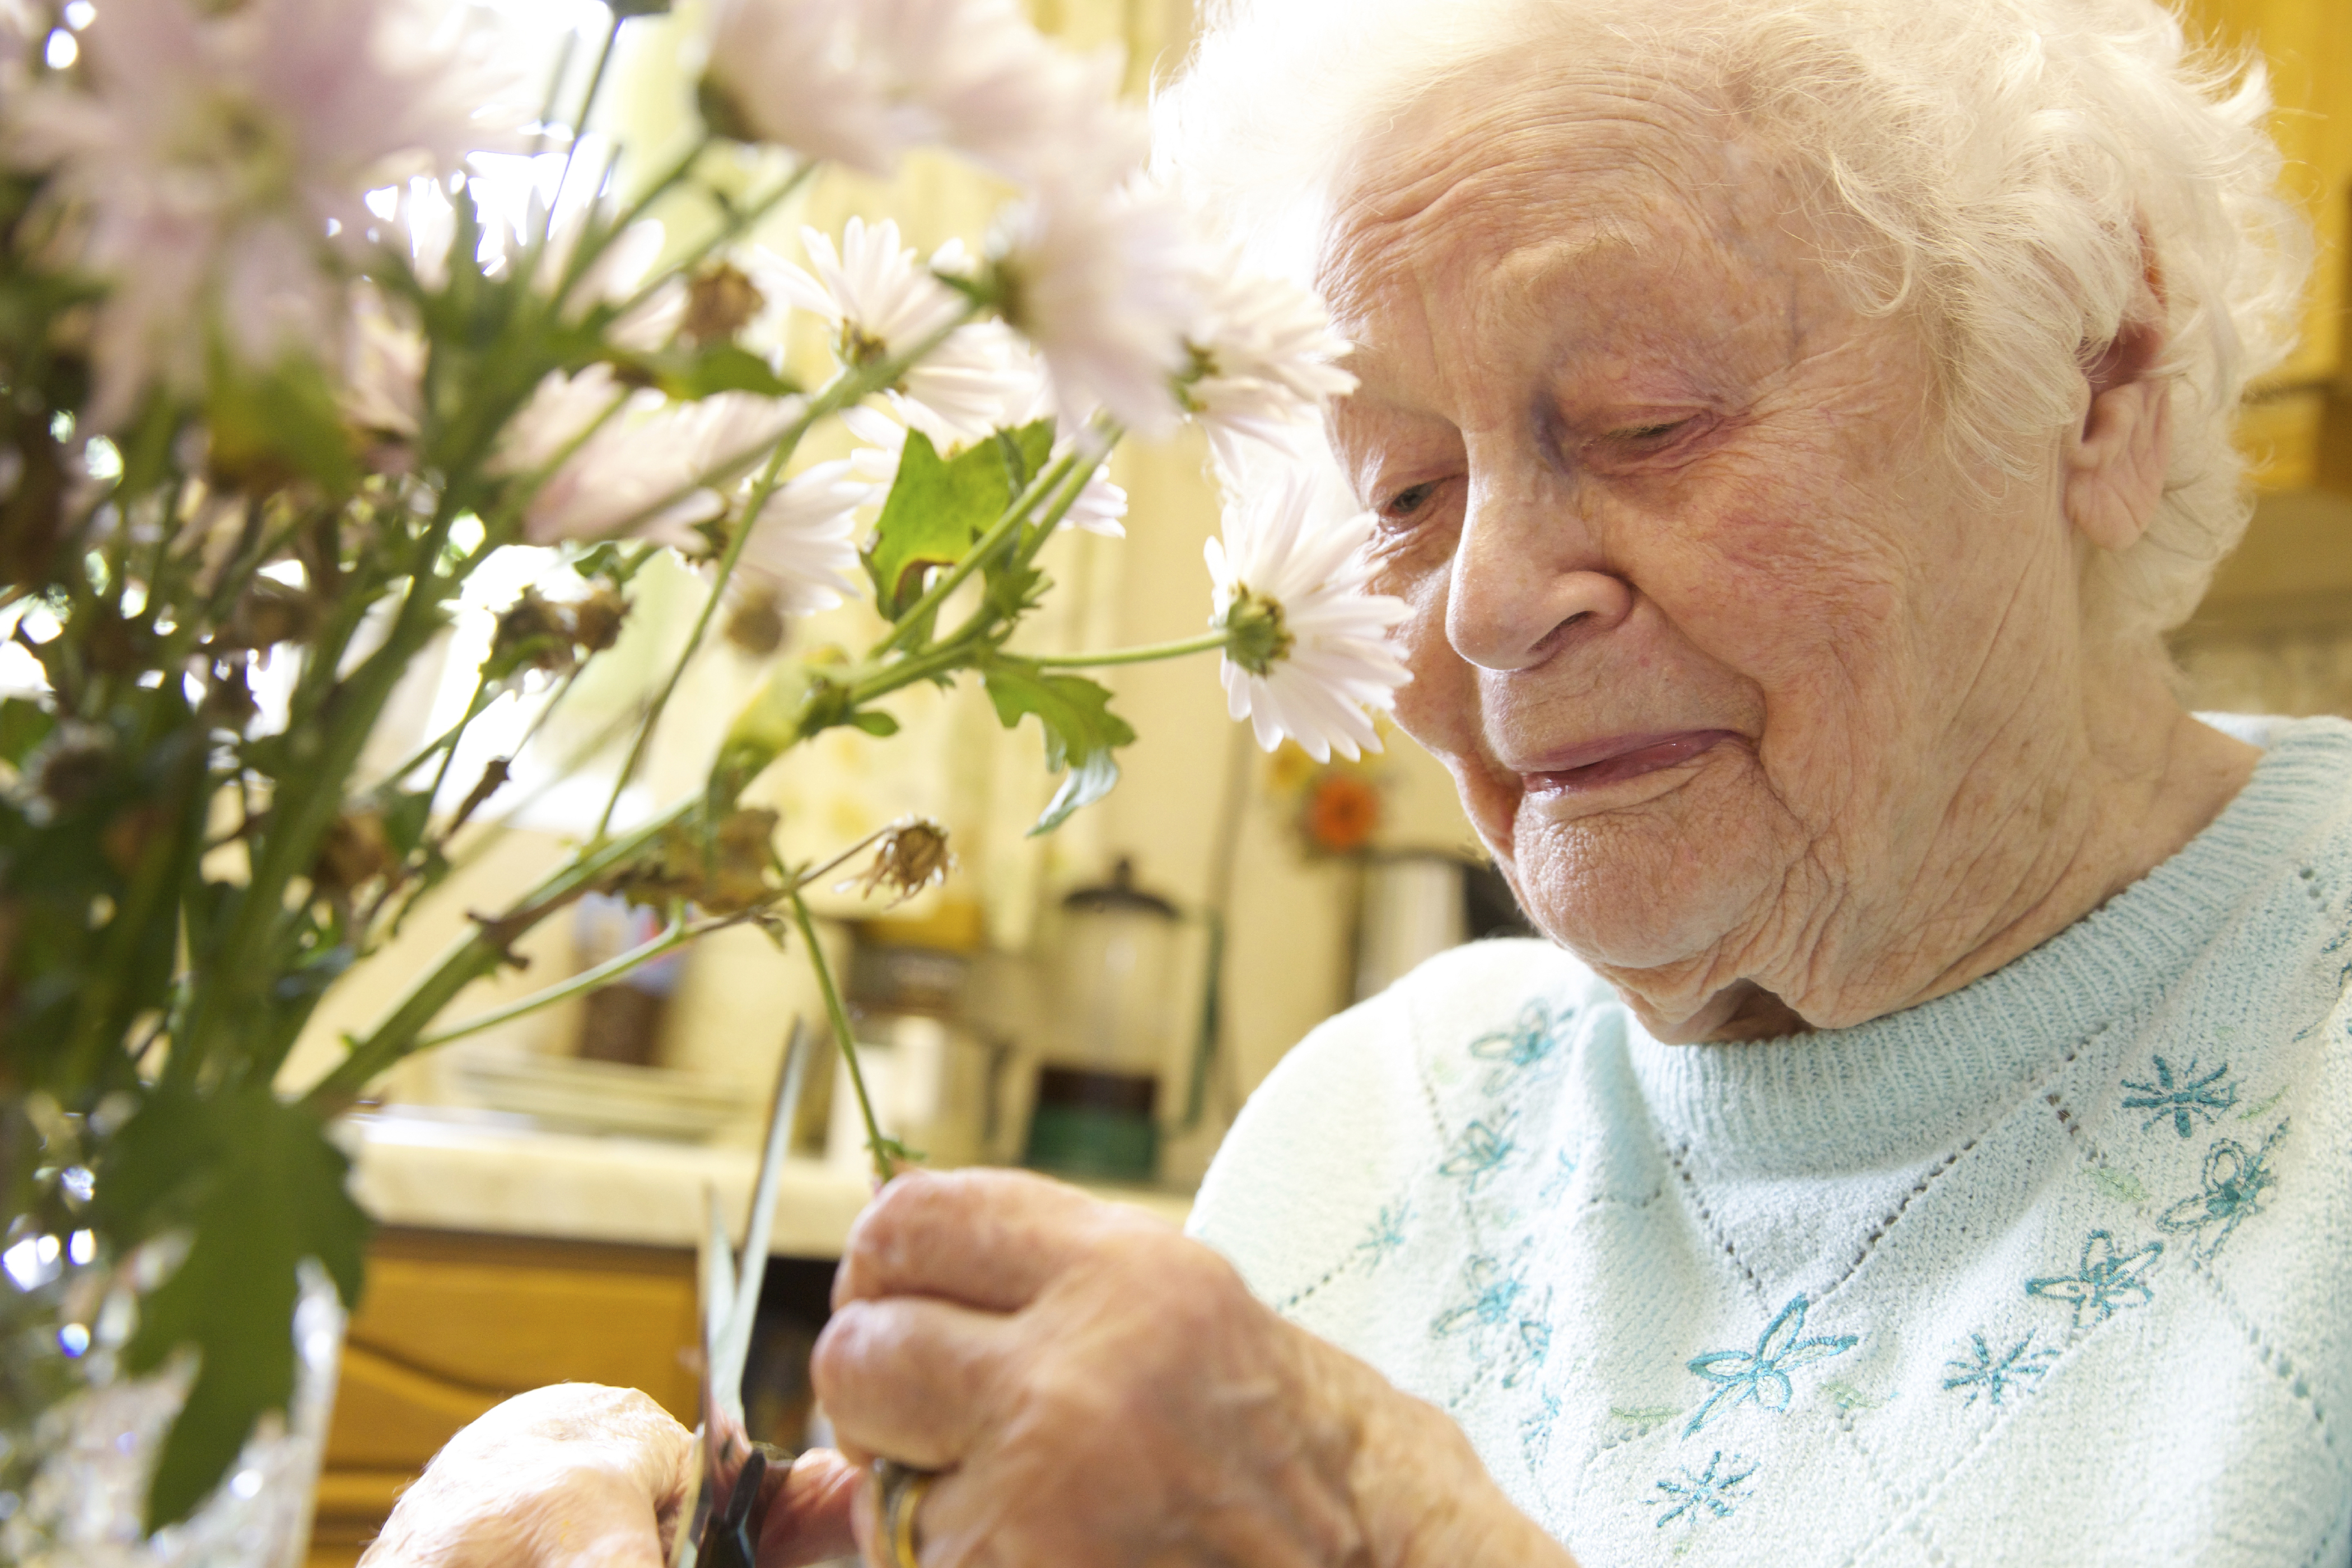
x=1527, y=579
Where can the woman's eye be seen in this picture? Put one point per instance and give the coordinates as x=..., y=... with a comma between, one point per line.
x=1649, y=435
x=1400, y=506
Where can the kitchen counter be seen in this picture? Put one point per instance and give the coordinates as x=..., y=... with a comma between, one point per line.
x=504, y=1176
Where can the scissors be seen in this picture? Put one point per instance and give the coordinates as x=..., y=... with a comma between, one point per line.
x=719, y=1526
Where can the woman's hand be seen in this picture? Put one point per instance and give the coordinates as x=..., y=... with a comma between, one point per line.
x=576, y=1476
x=1097, y=1389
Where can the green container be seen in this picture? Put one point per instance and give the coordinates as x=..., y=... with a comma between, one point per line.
x=1095, y=1124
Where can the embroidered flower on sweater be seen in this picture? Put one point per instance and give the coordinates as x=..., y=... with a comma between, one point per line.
x=1760, y=1376
x=1492, y=1317
x=1524, y=1357
x=1387, y=1232
x=2185, y=1098
x=2235, y=1183
x=1480, y=1152
x=2108, y=1278
x=1992, y=1377
x=1712, y=1490
x=1534, y=1430
x=1563, y=1172
x=1531, y=1037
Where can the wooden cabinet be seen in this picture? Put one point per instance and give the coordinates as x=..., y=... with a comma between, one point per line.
x=451, y=1324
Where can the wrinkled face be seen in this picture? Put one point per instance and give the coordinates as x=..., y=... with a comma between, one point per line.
x=1712, y=634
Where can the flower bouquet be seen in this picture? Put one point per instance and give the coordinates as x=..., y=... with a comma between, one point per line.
x=282, y=376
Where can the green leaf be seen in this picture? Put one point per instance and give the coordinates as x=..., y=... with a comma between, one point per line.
x=1026, y=451
x=936, y=508
x=1081, y=732
x=405, y=814
x=24, y=724
x=939, y=506
x=263, y=1189
x=873, y=722
x=692, y=373
x=615, y=562
x=269, y=426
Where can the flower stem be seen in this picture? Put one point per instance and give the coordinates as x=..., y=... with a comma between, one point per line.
x=580, y=125
x=845, y=389
x=593, y=246
x=447, y=740
x=1146, y=654
x=877, y=1145
x=478, y=955
x=805, y=878
x=738, y=220
x=677, y=934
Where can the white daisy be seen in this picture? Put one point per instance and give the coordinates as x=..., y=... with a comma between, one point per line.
x=382, y=384
x=1097, y=275
x=881, y=301
x=652, y=470
x=213, y=152
x=803, y=543
x=1311, y=655
x=1260, y=357
x=614, y=278
x=805, y=74
x=1000, y=92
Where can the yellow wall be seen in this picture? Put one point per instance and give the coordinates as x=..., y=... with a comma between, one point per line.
x=2308, y=45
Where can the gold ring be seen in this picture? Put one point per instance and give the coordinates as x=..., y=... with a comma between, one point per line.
x=902, y=1489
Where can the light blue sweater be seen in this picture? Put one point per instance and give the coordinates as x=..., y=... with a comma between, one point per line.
x=2057, y=1268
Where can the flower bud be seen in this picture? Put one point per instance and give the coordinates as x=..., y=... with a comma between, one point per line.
x=356, y=850
x=533, y=633
x=596, y=620
x=68, y=767
x=756, y=625
x=1260, y=641
x=718, y=303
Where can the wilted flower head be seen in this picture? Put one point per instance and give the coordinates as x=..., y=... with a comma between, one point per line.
x=1310, y=650
x=912, y=855
x=722, y=870
x=554, y=635
x=213, y=153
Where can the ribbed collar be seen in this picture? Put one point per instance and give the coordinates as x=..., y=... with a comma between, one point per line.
x=1887, y=1093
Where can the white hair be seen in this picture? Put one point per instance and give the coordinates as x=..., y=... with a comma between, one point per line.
x=2019, y=169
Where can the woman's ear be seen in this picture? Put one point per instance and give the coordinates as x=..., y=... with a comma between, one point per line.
x=2116, y=463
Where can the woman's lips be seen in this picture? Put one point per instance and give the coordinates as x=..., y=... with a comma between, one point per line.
x=1597, y=763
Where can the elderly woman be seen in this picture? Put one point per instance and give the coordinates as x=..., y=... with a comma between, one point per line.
x=1792, y=422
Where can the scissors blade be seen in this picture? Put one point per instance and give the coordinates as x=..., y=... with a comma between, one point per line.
x=724, y=1508
x=735, y=1347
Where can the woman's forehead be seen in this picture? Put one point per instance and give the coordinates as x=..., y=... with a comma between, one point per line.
x=1579, y=156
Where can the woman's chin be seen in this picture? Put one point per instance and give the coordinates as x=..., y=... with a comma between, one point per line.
x=1665, y=884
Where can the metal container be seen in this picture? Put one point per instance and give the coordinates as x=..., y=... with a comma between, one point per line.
x=1099, y=1085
